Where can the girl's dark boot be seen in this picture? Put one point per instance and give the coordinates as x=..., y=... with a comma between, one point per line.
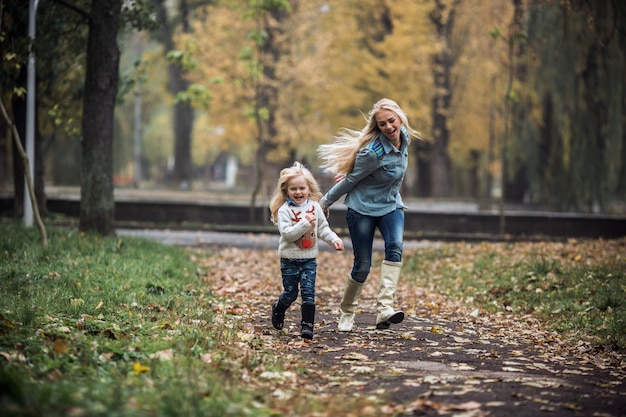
x=278, y=315
x=308, y=318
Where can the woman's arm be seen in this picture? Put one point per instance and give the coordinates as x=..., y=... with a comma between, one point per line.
x=365, y=163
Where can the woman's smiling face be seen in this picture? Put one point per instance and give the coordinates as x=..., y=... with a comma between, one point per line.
x=298, y=189
x=389, y=123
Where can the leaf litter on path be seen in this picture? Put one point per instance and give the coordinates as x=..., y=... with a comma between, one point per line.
x=446, y=358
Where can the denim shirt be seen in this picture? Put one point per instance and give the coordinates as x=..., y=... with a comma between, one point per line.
x=373, y=186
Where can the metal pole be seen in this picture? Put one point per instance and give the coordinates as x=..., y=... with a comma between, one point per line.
x=137, y=136
x=137, y=132
x=30, y=113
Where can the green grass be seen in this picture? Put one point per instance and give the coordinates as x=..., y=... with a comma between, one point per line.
x=577, y=289
x=84, y=321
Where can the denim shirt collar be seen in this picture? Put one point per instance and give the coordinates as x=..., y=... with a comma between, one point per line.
x=290, y=202
x=388, y=147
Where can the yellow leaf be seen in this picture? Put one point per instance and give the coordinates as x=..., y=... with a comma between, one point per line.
x=139, y=368
x=75, y=302
x=437, y=330
x=60, y=346
x=5, y=322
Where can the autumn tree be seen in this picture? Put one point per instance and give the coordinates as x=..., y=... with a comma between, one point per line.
x=477, y=84
x=571, y=132
x=443, y=18
x=255, y=77
x=174, y=21
x=327, y=62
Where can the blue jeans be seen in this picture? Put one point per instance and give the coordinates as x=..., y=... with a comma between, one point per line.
x=294, y=272
x=362, y=229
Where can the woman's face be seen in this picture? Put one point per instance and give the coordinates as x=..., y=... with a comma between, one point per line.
x=389, y=124
x=298, y=189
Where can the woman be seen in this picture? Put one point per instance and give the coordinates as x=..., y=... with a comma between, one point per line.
x=370, y=166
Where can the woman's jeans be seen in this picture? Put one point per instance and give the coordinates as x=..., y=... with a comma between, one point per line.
x=294, y=272
x=362, y=229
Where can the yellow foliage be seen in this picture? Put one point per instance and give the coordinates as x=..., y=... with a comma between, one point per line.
x=337, y=58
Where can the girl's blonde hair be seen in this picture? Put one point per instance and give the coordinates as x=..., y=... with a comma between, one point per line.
x=338, y=157
x=281, y=194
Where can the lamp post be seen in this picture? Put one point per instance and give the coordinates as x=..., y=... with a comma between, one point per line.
x=30, y=112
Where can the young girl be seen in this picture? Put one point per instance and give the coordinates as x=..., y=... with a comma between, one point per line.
x=296, y=211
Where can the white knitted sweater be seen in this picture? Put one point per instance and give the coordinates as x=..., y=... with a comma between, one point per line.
x=292, y=224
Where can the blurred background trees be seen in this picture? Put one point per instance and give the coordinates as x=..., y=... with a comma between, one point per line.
x=224, y=93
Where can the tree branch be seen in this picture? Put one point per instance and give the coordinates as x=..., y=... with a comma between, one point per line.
x=75, y=8
x=29, y=180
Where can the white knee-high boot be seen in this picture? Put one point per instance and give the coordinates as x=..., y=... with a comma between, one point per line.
x=385, y=313
x=349, y=302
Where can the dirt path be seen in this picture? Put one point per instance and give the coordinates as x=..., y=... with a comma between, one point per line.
x=446, y=358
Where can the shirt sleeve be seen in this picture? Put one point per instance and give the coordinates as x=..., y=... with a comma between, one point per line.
x=365, y=163
x=324, y=232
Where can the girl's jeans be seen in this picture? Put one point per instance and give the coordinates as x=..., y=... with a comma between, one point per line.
x=362, y=229
x=294, y=272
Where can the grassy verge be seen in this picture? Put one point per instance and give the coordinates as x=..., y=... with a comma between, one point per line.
x=119, y=327
x=577, y=287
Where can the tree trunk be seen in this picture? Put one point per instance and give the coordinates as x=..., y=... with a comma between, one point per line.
x=267, y=99
x=514, y=28
x=4, y=154
x=423, y=151
x=441, y=165
x=184, y=114
x=97, y=206
x=19, y=119
x=491, y=146
x=28, y=178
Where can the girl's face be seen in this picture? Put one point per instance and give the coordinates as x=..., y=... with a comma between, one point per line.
x=389, y=123
x=298, y=189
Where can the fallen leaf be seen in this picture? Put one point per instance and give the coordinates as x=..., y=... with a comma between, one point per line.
x=163, y=355
x=138, y=368
x=60, y=347
x=362, y=369
x=437, y=330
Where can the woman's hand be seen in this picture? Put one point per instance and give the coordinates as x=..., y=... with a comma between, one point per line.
x=339, y=178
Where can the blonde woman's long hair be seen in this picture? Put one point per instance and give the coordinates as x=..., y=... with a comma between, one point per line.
x=281, y=194
x=338, y=157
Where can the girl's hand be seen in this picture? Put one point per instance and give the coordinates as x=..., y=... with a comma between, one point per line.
x=338, y=245
x=311, y=218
